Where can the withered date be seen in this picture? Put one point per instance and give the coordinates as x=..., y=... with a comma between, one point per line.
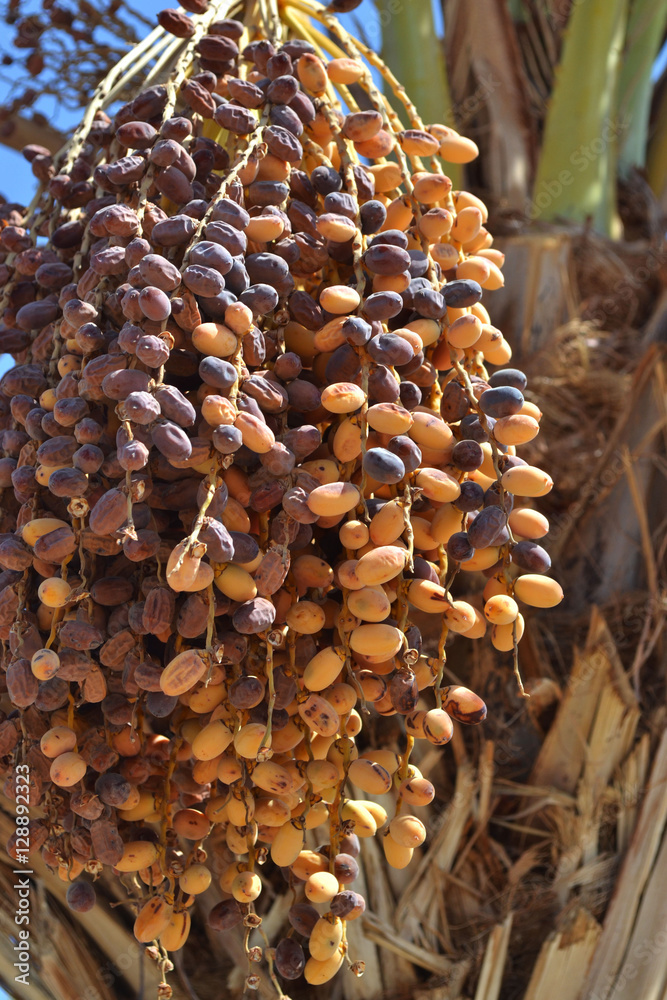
x=111, y=591
x=114, y=650
x=109, y=513
x=75, y=665
x=107, y=844
x=159, y=610
x=53, y=694
x=22, y=685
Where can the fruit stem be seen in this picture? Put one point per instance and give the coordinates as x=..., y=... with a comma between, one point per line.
x=515, y=658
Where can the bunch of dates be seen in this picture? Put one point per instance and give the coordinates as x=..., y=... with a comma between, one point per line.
x=259, y=432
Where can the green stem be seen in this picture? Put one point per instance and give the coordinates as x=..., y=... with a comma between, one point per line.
x=576, y=174
x=646, y=27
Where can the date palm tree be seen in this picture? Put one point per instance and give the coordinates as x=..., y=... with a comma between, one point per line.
x=545, y=866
